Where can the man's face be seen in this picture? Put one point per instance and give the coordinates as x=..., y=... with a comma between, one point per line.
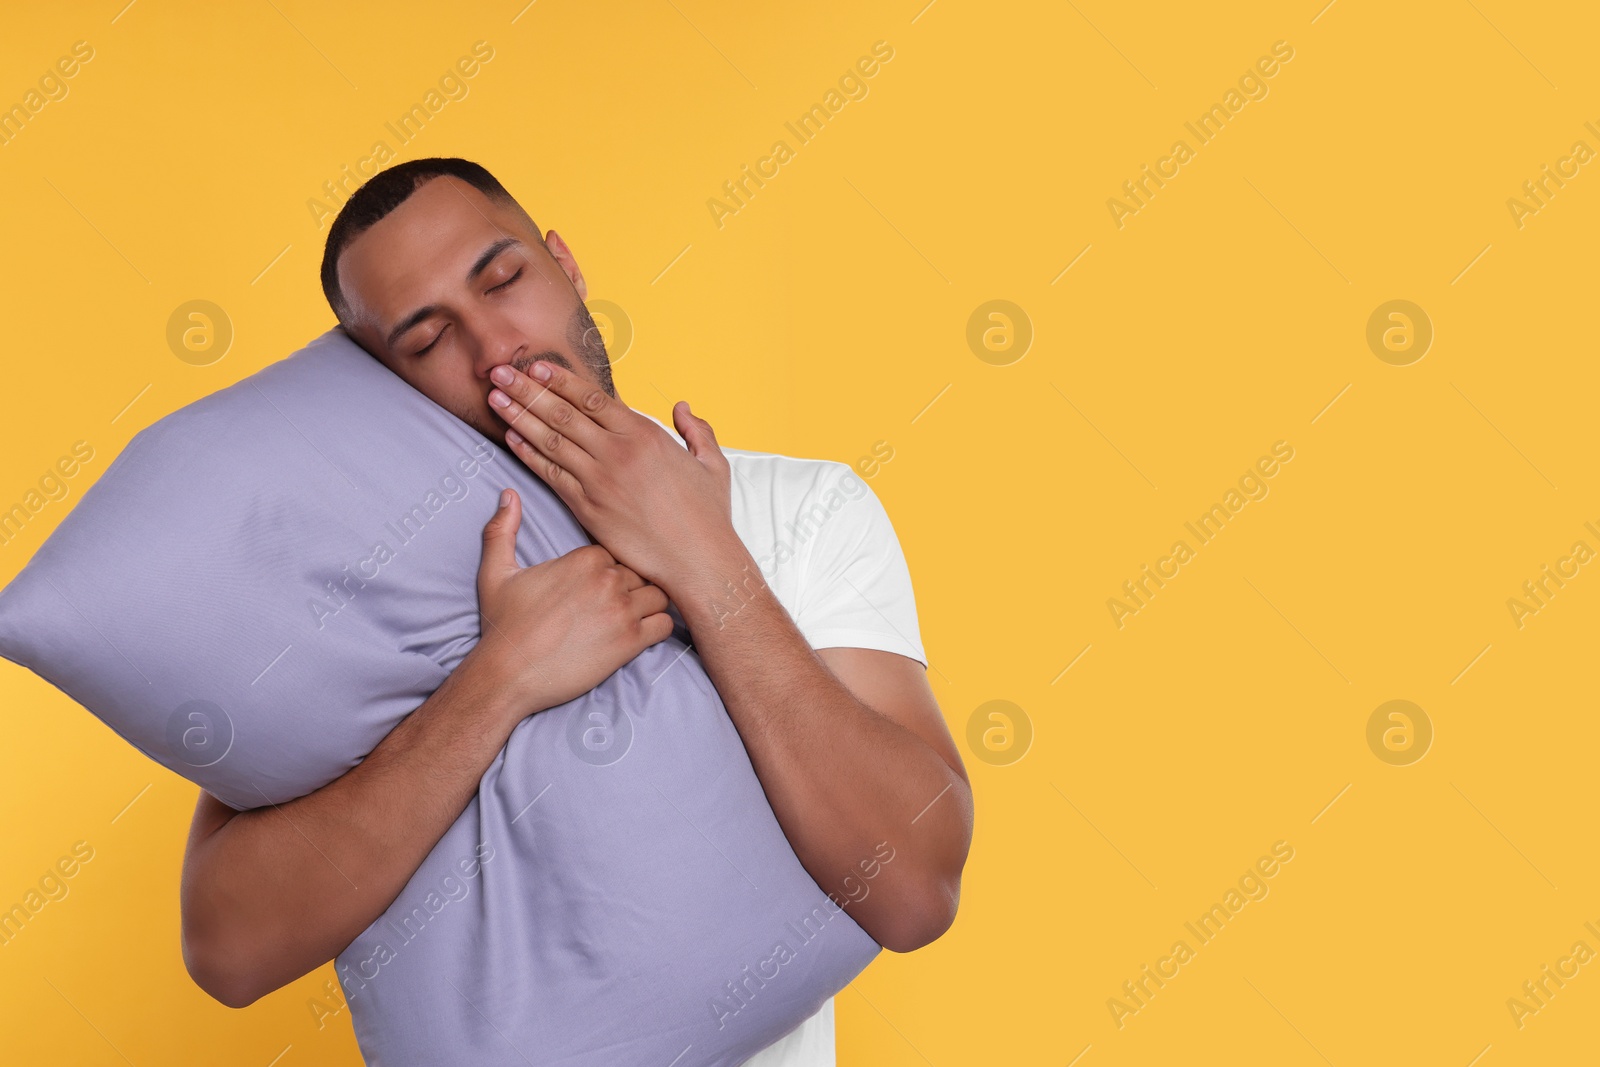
x=450, y=284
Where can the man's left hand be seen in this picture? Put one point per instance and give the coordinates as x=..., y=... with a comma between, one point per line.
x=663, y=510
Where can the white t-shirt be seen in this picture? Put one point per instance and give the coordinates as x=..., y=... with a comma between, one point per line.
x=828, y=552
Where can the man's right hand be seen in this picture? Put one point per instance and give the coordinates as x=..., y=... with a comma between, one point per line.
x=271, y=894
x=555, y=630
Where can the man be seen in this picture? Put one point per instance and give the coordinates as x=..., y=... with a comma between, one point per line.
x=435, y=269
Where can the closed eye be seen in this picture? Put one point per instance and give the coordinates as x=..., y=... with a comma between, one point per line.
x=508, y=281
x=502, y=285
x=430, y=344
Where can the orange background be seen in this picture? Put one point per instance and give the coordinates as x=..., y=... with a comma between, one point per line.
x=1142, y=769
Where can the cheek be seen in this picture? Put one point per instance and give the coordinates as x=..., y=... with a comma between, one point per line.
x=484, y=415
x=481, y=417
x=455, y=389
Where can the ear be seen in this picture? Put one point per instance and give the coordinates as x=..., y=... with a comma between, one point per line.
x=563, y=255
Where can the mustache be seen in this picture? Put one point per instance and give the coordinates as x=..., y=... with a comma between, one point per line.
x=552, y=356
x=585, y=339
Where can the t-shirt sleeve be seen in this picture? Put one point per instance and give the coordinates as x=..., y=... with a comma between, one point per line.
x=855, y=587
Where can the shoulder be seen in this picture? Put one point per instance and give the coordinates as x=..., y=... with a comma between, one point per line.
x=803, y=501
x=825, y=544
x=785, y=476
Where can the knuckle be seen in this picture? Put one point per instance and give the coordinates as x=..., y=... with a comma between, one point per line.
x=561, y=414
x=594, y=400
x=552, y=441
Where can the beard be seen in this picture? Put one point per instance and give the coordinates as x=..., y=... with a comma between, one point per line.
x=585, y=340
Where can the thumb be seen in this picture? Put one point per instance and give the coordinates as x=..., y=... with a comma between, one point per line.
x=695, y=431
x=500, y=535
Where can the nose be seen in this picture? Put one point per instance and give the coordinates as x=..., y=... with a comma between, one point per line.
x=499, y=340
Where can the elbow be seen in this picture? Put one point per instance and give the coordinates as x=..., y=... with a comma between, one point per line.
x=923, y=922
x=209, y=966
x=225, y=988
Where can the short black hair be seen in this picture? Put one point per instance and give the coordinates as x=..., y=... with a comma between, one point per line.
x=384, y=192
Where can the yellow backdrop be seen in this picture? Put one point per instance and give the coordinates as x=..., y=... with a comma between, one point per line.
x=1227, y=371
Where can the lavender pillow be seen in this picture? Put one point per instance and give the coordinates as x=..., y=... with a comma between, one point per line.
x=266, y=581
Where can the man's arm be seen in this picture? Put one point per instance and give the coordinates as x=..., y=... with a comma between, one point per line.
x=851, y=750
x=272, y=893
x=849, y=745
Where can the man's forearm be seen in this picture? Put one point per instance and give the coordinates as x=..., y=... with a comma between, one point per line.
x=277, y=891
x=841, y=778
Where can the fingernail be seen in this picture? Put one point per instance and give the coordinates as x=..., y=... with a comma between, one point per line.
x=505, y=497
x=541, y=371
x=501, y=374
x=498, y=399
x=514, y=437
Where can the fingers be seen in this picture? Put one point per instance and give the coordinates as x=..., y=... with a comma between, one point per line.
x=549, y=456
x=539, y=425
x=653, y=629
x=516, y=394
x=631, y=579
x=561, y=385
x=500, y=535
x=649, y=600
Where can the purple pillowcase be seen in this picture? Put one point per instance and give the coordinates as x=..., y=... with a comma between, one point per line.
x=265, y=582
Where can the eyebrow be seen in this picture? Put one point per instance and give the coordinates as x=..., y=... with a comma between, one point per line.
x=478, y=267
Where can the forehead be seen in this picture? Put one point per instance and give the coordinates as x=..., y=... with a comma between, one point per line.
x=418, y=249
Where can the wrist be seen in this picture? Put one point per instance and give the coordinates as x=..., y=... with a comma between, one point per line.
x=489, y=681
x=718, y=585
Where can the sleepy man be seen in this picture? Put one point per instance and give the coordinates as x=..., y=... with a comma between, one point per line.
x=801, y=612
